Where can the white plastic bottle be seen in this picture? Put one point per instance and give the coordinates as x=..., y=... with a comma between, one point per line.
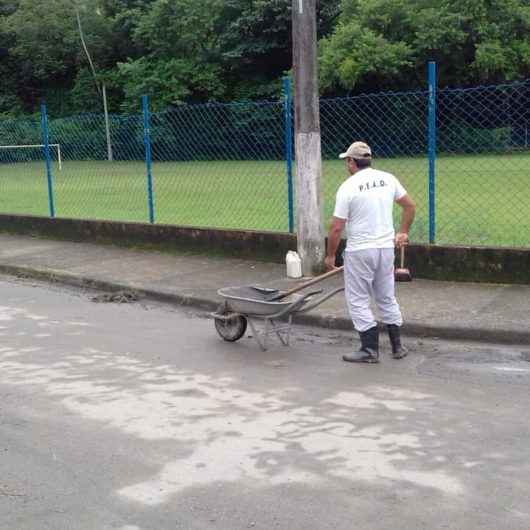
x=294, y=264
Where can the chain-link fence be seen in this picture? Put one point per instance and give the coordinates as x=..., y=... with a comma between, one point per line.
x=395, y=127
x=227, y=166
x=220, y=165
x=483, y=167
x=22, y=176
x=89, y=184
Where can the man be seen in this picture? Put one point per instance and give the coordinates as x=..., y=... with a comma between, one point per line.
x=364, y=205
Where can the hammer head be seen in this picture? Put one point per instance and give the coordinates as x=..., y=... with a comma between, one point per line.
x=402, y=275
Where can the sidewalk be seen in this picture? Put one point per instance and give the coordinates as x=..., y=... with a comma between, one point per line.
x=490, y=313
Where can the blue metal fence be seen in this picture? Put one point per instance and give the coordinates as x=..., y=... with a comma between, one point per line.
x=148, y=159
x=47, y=158
x=432, y=152
x=463, y=154
x=289, y=155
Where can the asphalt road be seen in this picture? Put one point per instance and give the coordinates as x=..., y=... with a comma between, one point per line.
x=138, y=417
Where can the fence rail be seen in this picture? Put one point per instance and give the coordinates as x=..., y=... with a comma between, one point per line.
x=463, y=155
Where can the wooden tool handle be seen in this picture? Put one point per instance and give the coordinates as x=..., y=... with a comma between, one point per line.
x=403, y=257
x=313, y=281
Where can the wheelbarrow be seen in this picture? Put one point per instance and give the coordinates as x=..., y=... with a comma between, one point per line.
x=247, y=305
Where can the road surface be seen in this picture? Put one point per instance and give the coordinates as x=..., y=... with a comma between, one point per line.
x=138, y=417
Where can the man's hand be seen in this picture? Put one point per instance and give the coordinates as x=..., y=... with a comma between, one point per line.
x=402, y=239
x=337, y=226
x=407, y=216
x=330, y=263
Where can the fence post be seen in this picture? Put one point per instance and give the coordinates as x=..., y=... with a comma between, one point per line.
x=432, y=152
x=288, y=128
x=148, y=158
x=47, y=157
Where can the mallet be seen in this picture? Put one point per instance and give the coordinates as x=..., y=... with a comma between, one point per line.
x=402, y=274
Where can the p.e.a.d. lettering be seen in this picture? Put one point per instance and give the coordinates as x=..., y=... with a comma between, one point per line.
x=370, y=186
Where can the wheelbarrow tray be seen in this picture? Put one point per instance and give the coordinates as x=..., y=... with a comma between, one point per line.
x=249, y=301
x=242, y=305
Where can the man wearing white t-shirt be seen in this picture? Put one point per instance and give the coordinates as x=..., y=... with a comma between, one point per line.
x=364, y=206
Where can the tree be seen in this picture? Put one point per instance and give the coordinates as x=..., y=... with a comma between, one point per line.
x=43, y=49
x=201, y=50
x=181, y=53
x=214, y=49
x=386, y=43
x=256, y=43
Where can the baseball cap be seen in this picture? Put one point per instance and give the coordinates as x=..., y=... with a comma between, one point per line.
x=357, y=151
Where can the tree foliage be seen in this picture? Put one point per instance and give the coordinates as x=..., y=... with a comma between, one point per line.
x=202, y=50
x=380, y=42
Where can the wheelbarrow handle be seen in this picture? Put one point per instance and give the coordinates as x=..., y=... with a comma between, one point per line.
x=295, y=306
x=303, y=286
x=320, y=300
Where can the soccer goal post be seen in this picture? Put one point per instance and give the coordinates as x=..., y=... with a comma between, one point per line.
x=33, y=146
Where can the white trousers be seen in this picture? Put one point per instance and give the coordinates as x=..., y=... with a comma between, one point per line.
x=370, y=274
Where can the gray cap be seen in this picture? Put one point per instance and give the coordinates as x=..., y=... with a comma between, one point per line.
x=358, y=151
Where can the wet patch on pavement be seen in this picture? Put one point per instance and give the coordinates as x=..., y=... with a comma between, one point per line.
x=501, y=363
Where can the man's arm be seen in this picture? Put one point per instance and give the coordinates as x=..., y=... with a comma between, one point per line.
x=337, y=226
x=407, y=217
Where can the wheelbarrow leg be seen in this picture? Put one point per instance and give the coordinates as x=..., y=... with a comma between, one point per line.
x=283, y=340
x=262, y=344
x=283, y=333
x=289, y=330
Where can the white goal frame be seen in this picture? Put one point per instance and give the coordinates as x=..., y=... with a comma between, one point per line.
x=58, y=146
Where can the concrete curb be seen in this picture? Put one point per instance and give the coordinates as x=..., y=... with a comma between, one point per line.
x=412, y=329
x=435, y=262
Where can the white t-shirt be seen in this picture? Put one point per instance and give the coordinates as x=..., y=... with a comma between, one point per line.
x=366, y=202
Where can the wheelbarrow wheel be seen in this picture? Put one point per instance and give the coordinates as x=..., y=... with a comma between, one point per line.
x=231, y=329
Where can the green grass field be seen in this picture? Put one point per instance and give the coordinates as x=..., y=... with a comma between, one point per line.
x=480, y=200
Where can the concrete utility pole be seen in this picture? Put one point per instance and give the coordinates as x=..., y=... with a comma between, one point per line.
x=311, y=244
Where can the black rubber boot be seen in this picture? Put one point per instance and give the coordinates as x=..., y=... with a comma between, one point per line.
x=398, y=350
x=369, y=352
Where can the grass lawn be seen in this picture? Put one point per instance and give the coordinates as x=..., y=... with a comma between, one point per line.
x=480, y=200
